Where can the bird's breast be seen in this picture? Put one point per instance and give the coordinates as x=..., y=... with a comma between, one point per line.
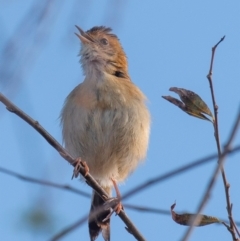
x=108, y=129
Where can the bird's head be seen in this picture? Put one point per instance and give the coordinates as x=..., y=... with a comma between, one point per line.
x=101, y=48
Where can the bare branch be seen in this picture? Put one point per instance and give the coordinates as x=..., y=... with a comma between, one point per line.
x=170, y=174
x=45, y=183
x=147, y=209
x=85, y=194
x=69, y=229
x=179, y=170
x=77, y=224
x=213, y=179
x=221, y=158
x=215, y=124
x=235, y=226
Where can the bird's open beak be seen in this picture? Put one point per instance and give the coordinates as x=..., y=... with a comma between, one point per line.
x=83, y=36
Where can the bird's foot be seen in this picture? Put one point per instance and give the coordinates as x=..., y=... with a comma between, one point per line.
x=114, y=204
x=77, y=166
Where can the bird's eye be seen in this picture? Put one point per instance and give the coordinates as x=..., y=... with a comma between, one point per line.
x=104, y=41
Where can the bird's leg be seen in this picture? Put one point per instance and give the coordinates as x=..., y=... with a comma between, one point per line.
x=117, y=203
x=78, y=164
x=119, y=206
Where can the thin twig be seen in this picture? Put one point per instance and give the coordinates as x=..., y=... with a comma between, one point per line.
x=147, y=209
x=221, y=156
x=69, y=229
x=77, y=224
x=172, y=173
x=235, y=226
x=215, y=124
x=76, y=191
x=139, y=188
x=213, y=179
x=45, y=183
x=53, y=142
x=82, y=220
x=87, y=195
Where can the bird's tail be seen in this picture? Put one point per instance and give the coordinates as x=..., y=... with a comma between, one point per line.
x=95, y=222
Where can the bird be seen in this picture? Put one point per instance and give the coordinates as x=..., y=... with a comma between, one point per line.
x=105, y=119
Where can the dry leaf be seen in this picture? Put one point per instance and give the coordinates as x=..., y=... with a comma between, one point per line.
x=186, y=218
x=191, y=103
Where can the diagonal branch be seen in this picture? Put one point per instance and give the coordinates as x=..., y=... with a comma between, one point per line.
x=53, y=142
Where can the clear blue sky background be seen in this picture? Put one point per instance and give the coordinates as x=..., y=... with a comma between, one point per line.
x=168, y=44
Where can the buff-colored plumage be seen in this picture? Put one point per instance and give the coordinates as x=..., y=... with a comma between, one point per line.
x=105, y=119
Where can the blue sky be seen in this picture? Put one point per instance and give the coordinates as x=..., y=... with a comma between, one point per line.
x=168, y=44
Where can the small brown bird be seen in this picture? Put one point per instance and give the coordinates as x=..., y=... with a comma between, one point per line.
x=105, y=120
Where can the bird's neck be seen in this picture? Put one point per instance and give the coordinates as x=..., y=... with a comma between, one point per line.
x=105, y=87
x=97, y=71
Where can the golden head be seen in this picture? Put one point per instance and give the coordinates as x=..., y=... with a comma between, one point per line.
x=102, y=49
